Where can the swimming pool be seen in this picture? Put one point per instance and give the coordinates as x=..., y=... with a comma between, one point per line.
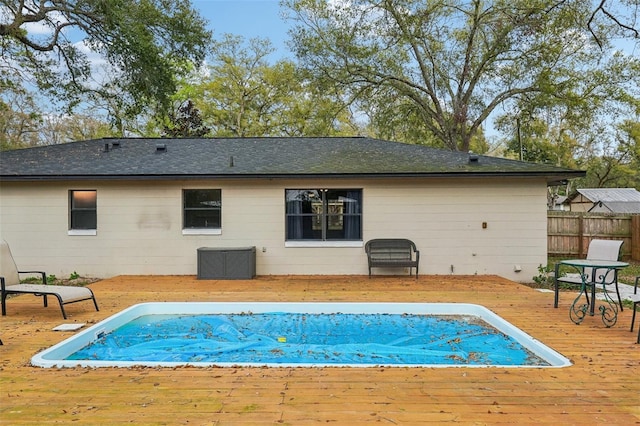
x=58, y=355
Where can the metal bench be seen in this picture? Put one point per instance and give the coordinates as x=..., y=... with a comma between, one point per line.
x=392, y=253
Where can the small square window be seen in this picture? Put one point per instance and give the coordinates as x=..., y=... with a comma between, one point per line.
x=202, y=208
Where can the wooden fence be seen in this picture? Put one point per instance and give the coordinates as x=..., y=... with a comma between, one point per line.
x=569, y=233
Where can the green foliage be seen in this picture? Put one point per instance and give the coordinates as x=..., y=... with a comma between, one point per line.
x=23, y=125
x=32, y=280
x=614, y=162
x=543, y=275
x=19, y=118
x=147, y=43
x=629, y=140
x=75, y=279
x=186, y=123
x=536, y=140
x=446, y=66
x=243, y=95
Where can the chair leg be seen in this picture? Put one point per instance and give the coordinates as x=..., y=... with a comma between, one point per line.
x=586, y=293
x=555, y=286
x=635, y=304
x=633, y=319
x=619, y=298
x=64, y=314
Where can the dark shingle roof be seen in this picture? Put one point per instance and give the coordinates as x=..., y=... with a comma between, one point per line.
x=129, y=158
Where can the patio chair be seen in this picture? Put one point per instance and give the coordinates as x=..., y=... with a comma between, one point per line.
x=10, y=284
x=598, y=250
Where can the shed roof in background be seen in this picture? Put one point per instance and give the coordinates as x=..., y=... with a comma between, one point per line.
x=611, y=194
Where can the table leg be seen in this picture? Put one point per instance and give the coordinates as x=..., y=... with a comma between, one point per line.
x=609, y=308
x=592, y=308
x=578, y=311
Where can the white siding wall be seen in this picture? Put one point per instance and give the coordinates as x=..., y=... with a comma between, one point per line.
x=140, y=226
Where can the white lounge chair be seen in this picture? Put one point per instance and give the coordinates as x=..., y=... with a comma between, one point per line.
x=10, y=284
x=598, y=250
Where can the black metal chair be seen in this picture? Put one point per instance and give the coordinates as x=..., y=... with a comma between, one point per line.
x=635, y=298
x=636, y=301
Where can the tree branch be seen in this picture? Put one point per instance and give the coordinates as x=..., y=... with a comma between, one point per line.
x=601, y=8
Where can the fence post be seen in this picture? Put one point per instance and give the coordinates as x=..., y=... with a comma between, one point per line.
x=581, y=251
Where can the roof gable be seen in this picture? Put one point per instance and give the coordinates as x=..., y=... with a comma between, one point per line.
x=149, y=158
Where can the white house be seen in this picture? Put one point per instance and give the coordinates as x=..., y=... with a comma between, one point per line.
x=145, y=206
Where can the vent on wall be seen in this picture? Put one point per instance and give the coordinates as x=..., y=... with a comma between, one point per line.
x=160, y=148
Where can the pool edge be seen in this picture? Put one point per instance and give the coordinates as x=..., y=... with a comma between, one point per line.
x=53, y=357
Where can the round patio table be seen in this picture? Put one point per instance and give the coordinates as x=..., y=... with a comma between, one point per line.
x=600, y=271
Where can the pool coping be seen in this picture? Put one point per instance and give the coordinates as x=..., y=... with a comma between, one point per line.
x=56, y=354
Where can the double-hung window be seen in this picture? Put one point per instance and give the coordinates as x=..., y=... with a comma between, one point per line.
x=202, y=211
x=323, y=214
x=83, y=212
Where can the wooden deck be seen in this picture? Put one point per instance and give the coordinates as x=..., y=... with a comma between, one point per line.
x=602, y=386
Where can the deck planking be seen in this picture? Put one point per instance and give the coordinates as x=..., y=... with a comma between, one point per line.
x=601, y=386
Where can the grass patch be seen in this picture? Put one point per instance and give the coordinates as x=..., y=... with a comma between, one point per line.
x=74, y=280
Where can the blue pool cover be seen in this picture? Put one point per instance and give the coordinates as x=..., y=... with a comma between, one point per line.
x=290, y=338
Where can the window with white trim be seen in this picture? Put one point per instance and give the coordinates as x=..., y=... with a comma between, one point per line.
x=83, y=210
x=323, y=214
